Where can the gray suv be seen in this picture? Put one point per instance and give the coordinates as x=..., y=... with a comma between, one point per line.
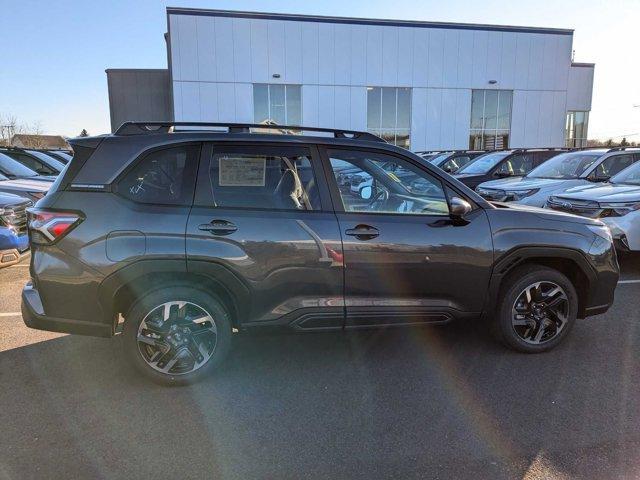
x=190, y=235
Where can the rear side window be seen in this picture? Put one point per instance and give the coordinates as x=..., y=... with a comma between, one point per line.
x=163, y=177
x=263, y=178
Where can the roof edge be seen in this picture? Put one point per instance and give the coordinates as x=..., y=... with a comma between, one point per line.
x=136, y=70
x=581, y=64
x=363, y=21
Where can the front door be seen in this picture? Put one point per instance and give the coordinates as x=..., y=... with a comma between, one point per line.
x=406, y=261
x=262, y=224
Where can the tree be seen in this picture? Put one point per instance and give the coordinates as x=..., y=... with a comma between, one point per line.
x=624, y=142
x=84, y=133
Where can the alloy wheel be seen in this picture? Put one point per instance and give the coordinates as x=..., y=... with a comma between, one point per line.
x=177, y=338
x=540, y=312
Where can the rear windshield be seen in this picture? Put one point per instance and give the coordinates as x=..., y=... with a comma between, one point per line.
x=438, y=158
x=13, y=168
x=484, y=163
x=566, y=165
x=48, y=159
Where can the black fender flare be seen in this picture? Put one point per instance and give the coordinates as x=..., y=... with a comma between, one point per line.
x=520, y=255
x=158, y=272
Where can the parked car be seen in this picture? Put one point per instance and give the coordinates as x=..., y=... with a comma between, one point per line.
x=13, y=228
x=39, y=162
x=13, y=169
x=504, y=164
x=567, y=170
x=616, y=203
x=192, y=235
x=24, y=187
x=453, y=161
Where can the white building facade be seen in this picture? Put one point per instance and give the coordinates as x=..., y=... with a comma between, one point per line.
x=420, y=85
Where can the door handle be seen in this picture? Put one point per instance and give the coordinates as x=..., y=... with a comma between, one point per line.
x=218, y=227
x=363, y=232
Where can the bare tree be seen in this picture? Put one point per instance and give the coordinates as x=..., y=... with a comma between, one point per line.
x=8, y=128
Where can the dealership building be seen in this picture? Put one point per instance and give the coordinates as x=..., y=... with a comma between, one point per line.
x=421, y=85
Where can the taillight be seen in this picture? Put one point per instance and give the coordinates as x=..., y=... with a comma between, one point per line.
x=47, y=226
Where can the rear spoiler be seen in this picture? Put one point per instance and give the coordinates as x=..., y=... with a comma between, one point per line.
x=83, y=148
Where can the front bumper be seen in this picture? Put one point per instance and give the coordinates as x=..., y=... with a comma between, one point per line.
x=34, y=316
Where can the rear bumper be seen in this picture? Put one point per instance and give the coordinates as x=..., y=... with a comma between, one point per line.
x=34, y=317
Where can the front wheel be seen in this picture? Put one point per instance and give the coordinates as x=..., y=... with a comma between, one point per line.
x=177, y=335
x=537, y=309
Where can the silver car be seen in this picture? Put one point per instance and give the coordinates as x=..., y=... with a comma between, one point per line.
x=560, y=173
x=616, y=203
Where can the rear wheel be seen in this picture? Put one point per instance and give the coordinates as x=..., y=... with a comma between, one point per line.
x=177, y=335
x=538, y=307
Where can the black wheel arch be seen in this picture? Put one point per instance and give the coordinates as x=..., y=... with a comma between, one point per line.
x=572, y=263
x=120, y=290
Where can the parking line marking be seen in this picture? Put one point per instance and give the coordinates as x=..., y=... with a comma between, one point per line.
x=10, y=314
x=628, y=281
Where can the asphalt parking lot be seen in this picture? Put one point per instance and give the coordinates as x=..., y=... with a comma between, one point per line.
x=441, y=402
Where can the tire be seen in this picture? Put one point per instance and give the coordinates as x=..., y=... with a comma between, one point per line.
x=544, y=322
x=186, y=334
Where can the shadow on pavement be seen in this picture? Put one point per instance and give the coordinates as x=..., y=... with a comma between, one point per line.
x=428, y=402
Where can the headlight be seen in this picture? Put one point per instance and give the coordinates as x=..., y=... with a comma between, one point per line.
x=621, y=208
x=601, y=231
x=520, y=194
x=489, y=193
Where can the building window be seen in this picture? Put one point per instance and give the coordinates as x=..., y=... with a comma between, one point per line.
x=490, y=119
x=281, y=104
x=576, y=129
x=389, y=114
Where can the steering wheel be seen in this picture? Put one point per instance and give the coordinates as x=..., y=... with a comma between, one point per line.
x=381, y=195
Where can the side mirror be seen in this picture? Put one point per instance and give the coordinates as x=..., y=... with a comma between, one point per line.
x=459, y=207
x=366, y=192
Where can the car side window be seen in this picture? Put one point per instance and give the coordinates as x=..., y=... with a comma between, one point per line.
x=516, y=165
x=263, y=178
x=163, y=177
x=612, y=165
x=381, y=183
x=456, y=163
x=32, y=163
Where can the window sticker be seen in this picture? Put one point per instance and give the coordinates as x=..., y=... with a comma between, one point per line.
x=241, y=171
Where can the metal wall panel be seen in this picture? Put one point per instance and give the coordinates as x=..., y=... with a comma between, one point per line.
x=335, y=62
x=139, y=95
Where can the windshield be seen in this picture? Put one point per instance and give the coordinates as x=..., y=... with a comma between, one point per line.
x=630, y=176
x=48, y=159
x=484, y=163
x=566, y=165
x=12, y=169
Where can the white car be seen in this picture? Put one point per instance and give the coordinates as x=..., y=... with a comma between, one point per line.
x=558, y=174
x=616, y=203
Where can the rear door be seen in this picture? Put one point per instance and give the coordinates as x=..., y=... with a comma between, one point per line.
x=262, y=221
x=406, y=261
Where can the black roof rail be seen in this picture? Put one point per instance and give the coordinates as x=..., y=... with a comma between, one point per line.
x=587, y=148
x=147, y=128
x=620, y=149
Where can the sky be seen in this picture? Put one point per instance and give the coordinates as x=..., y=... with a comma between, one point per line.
x=54, y=53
